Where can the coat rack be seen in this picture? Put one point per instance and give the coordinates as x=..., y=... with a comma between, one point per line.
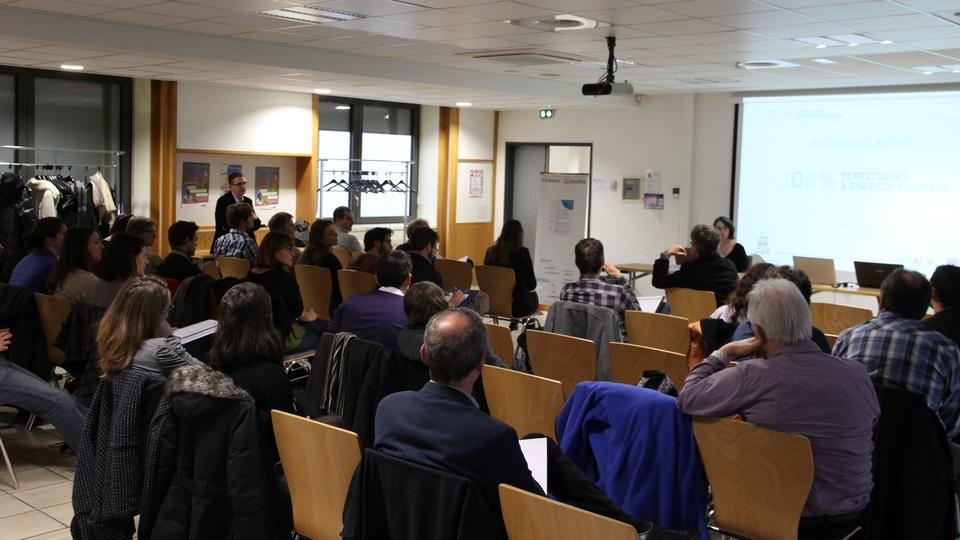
x=358, y=182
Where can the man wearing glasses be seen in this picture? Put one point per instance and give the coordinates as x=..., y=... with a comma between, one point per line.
x=237, y=185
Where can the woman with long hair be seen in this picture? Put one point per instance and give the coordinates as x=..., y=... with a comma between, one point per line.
x=73, y=278
x=508, y=251
x=729, y=247
x=249, y=349
x=124, y=257
x=134, y=333
x=273, y=271
x=45, y=241
x=323, y=236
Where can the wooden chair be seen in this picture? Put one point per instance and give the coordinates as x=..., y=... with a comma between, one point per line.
x=53, y=312
x=564, y=358
x=498, y=283
x=657, y=330
x=342, y=254
x=501, y=341
x=318, y=460
x=529, y=404
x=234, y=267
x=831, y=339
x=691, y=304
x=353, y=282
x=316, y=286
x=628, y=362
x=455, y=273
x=211, y=269
x=532, y=517
x=835, y=318
x=761, y=496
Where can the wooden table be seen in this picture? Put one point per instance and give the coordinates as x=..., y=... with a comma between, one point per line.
x=861, y=291
x=635, y=271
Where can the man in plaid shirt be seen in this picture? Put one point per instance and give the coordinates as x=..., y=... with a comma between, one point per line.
x=900, y=352
x=610, y=291
x=237, y=242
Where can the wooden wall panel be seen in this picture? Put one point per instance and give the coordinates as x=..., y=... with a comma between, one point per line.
x=307, y=173
x=163, y=145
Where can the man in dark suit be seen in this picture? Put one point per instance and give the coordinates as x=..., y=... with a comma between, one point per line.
x=378, y=315
x=238, y=186
x=179, y=264
x=708, y=271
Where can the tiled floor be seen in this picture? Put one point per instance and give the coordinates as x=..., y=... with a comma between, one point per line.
x=41, y=508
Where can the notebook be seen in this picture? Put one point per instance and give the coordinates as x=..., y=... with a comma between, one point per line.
x=818, y=270
x=535, y=452
x=196, y=331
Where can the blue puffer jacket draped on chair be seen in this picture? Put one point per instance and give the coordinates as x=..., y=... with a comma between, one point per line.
x=639, y=449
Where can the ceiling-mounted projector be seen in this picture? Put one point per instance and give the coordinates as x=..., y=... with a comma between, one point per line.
x=606, y=86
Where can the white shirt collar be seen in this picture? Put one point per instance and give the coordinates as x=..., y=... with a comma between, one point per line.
x=391, y=290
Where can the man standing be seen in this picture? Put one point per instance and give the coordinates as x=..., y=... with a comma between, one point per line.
x=235, y=195
x=376, y=242
x=343, y=223
x=900, y=352
x=790, y=385
x=610, y=291
x=708, y=271
x=178, y=264
x=238, y=241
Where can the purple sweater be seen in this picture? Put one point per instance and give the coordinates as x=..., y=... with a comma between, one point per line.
x=375, y=316
x=800, y=390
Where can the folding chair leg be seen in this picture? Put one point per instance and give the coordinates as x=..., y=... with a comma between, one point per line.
x=6, y=459
x=31, y=422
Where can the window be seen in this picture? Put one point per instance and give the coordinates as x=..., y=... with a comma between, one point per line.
x=363, y=140
x=8, y=128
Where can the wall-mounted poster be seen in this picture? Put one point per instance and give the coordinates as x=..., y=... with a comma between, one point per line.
x=474, y=192
x=476, y=183
x=267, y=187
x=195, y=183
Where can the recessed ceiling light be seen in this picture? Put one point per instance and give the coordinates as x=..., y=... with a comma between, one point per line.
x=852, y=44
x=886, y=42
x=322, y=91
x=928, y=73
x=343, y=107
x=823, y=61
x=71, y=67
x=765, y=64
x=820, y=42
x=464, y=104
x=927, y=70
x=821, y=46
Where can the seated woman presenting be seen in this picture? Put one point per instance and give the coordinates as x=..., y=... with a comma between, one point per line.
x=729, y=247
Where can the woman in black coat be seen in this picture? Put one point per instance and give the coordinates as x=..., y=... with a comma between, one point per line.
x=508, y=251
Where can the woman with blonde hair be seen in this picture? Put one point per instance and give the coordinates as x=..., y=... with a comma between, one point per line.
x=134, y=333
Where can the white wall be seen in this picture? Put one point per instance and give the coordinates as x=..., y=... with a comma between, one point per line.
x=213, y=117
x=712, y=157
x=475, y=138
x=140, y=185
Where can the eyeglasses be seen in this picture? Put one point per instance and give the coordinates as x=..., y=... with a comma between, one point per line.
x=240, y=183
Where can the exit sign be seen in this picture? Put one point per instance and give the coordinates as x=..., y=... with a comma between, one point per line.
x=546, y=113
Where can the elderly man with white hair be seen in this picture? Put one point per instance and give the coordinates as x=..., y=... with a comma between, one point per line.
x=790, y=385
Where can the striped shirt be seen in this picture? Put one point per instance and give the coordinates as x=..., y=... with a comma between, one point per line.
x=602, y=291
x=901, y=353
x=236, y=244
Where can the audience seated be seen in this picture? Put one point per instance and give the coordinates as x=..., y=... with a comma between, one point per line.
x=376, y=242
x=73, y=278
x=283, y=222
x=441, y=427
x=423, y=249
x=323, y=236
x=791, y=386
x=899, y=351
x=944, y=299
x=119, y=226
x=735, y=310
x=146, y=229
x=729, y=247
x=708, y=271
x=610, y=291
x=412, y=226
x=508, y=251
x=123, y=257
x=179, y=265
x=238, y=241
x=273, y=271
x=134, y=333
x=45, y=241
x=343, y=221
x=378, y=315
x=23, y=389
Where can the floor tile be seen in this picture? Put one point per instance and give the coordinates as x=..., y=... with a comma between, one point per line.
x=46, y=496
x=27, y=524
x=61, y=512
x=31, y=479
x=10, y=506
x=62, y=534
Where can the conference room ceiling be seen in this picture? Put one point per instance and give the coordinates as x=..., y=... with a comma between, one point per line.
x=422, y=51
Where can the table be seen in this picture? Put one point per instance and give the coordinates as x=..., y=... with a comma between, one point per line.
x=862, y=291
x=635, y=271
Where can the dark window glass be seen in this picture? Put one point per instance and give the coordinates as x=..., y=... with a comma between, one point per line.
x=8, y=127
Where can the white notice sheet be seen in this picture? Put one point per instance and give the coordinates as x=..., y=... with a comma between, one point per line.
x=535, y=452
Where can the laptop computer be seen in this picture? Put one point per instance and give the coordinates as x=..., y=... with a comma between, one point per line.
x=818, y=270
x=870, y=274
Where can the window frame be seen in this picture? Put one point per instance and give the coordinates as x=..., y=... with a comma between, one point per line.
x=24, y=89
x=356, y=152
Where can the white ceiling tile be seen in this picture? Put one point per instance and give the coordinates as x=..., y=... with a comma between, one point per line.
x=797, y=4
x=917, y=34
x=370, y=8
x=318, y=31
x=898, y=22
x=140, y=18
x=435, y=17
x=489, y=29
x=690, y=50
x=498, y=11
x=17, y=44
x=763, y=19
x=255, y=21
x=482, y=43
x=577, y=5
x=932, y=5
x=37, y=56
x=367, y=41
x=653, y=42
x=121, y=4
x=802, y=30
x=137, y=60
x=716, y=8
x=936, y=44
x=206, y=27
x=426, y=34
x=632, y=15
x=668, y=61
x=239, y=5
x=188, y=11
x=855, y=11
x=270, y=36
x=72, y=52
x=735, y=36
x=60, y=6
x=676, y=28
x=553, y=38
x=15, y=61
x=373, y=25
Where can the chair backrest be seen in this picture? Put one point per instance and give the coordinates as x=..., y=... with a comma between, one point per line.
x=318, y=462
x=353, y=282
x=501, y=341
x=342, y=254
x=835, y=318
x=233, y=267
x=831, y=339
x=172, y=285
x=531, y=517
x=316, y=286
x=53, y=312
x=667, y=332
x=629, y=361
x=211, y=269
x=691, y=304
x=760, y=496
x=529, y=404
x=454, y=273
x=498, y=282
x=564, y=358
